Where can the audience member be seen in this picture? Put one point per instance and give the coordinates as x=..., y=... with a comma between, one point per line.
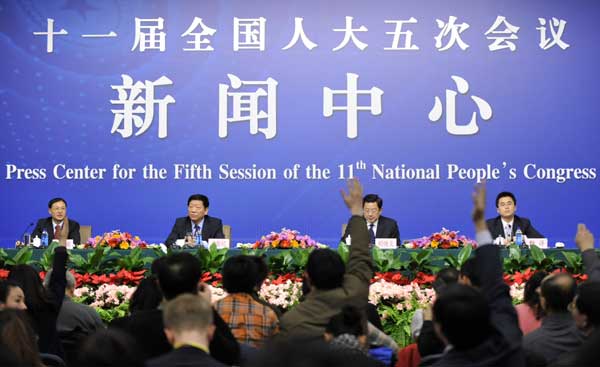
x=189, y=328
x=110, y=348
x=530, y=312
x=584, y=307
x=479, y=326
x=332, y=285
x=261, y=275
x=11, y=296
x=17, y=336
x=558, y=333
x=147, y=295
x=251, y=322
x=43, y=305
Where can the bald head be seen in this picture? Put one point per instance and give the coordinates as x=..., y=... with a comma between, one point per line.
x=557, y=291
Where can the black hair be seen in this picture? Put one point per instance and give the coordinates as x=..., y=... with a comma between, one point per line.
x=463, y=315
x=444, y=278
x=558, y=291
x=178, y=274
x=110, y=348
x=18, y=336
x=199, y=197
x=530, y=296
x=504, y=194
x=147, y=296
x=56, y=200
x=469, y=270
x=373, y=198
x=587, y=301
x=262, y=270
x=325, y=269
x=349, y=321
x=36, y=296
x=239, y=274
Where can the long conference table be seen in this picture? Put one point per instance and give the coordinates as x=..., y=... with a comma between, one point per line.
x=438, y=254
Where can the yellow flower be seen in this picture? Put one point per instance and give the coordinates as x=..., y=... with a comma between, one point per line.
x=124, y=245
x=434, y=244
x=295, y=244
x=275, y=243
x=454, y=243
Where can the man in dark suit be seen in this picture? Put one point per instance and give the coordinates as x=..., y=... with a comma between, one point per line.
x=506, y=224
x=197, y=221
x=378, y=225
x=58, y=225
x=189, y=328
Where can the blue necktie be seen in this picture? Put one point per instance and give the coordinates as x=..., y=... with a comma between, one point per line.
x=372, y=233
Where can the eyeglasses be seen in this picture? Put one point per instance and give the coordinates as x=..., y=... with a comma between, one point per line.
x=371, y=211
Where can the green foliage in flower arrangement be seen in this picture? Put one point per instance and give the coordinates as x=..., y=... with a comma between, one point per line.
x=134, y=261
x=96, y=262
x=108, y=315
x=212, y=259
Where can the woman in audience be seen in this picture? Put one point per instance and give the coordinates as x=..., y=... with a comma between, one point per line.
x=147, y=295
x=11, y=296
x=43, y=306
x=530, y=312
x=18, y=337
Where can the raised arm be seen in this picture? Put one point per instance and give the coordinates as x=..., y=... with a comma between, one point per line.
x=585, y=242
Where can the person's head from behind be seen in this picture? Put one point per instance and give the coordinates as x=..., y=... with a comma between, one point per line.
x=18, y=337
x=110, y=348
x=239, y=274
x=530, y=295
x=147, y=296
x=557, y=292
x=468, y=273
x=506, y=204
x=445, y=277
x=31, y=284
x=586, y=307
x=350, y=321
x=262, y=270
x=197, y=207
x=188, y=318
x=11, y=296
x=461, y=316
x=70, y=286
x=57, y=208
x=325, y=269
x=372, y=206
x=179, y=273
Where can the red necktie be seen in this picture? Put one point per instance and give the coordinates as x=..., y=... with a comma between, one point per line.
x=57, y=230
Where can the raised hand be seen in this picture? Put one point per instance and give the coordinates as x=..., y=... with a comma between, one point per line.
x=584, y=238
x=354, y=197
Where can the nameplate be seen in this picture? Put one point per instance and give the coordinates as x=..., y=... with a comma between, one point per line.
x=539, y=242
x=386, y=243
x=219, y=242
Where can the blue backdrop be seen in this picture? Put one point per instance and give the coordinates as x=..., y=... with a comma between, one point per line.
x=55, y=108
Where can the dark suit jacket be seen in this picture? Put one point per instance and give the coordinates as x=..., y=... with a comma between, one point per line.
x=212, y=228
x=47, y=223
x=497, y=228
x=148, y=329
x=186, y=356
x=386, y=228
